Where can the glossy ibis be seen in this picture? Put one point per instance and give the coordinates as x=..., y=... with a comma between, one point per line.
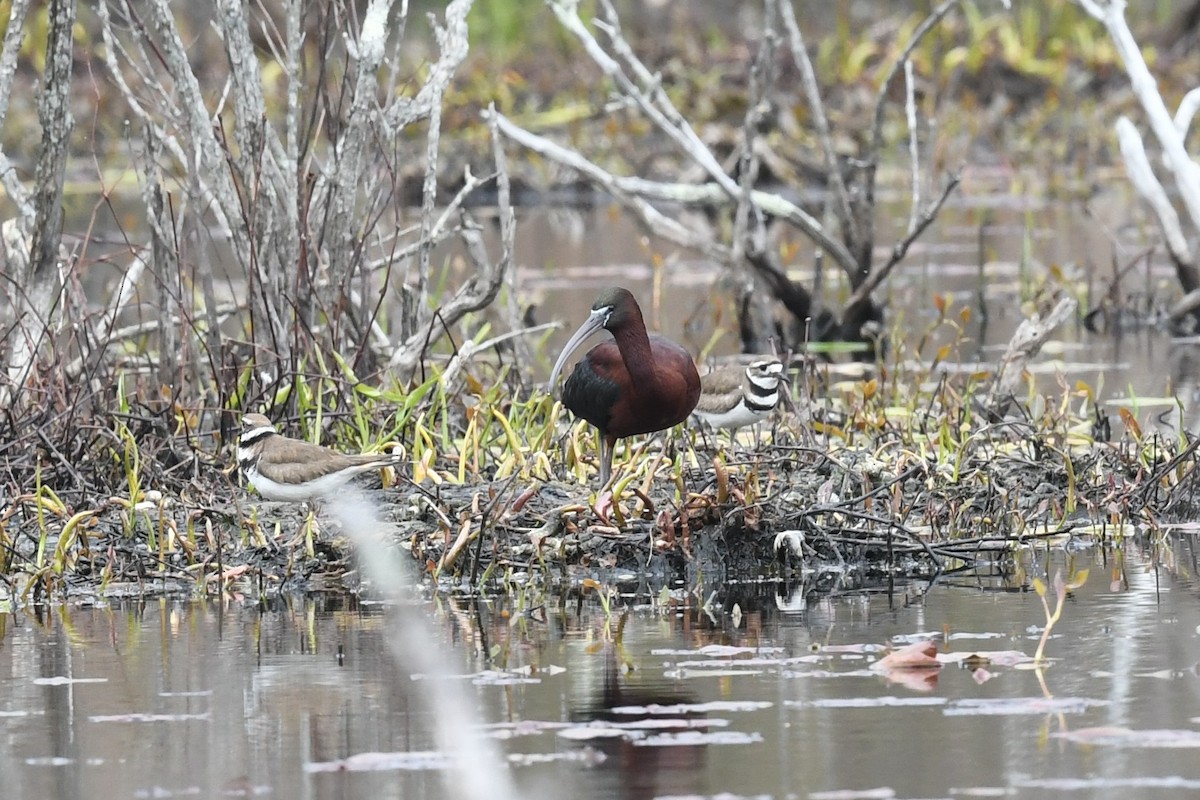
x=638, y=383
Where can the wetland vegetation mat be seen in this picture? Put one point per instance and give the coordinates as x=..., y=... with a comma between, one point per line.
x=878, y=481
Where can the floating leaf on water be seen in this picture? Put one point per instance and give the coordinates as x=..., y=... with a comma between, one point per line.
x=490, y=677
x=583, y=733
x=724, y=650
x=673, y=723
x=378, y=762
x=548, y=670
x=918, y=655
x=850, y=648
x=742, y=663
x=882, y=793
x=205, y=717
x=694, y=738
x=589, y=756
x=526, y=727
x=1020, y=705
x=715, y=706
x=675, y=674
x=1084, y=784
x=49, y=761
x=888, y=701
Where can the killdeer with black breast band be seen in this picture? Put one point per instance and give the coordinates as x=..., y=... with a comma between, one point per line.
x=735, y=396
x=291, y=470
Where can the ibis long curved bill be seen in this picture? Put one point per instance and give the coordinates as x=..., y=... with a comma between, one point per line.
x=595, y=321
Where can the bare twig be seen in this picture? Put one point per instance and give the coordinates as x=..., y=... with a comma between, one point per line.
x=900, y=249
x=808, y=78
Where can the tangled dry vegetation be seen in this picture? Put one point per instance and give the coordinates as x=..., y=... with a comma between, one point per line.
x=864, y=479
x=291, y=261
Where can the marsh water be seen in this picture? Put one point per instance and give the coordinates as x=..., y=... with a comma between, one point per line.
x=752, y=691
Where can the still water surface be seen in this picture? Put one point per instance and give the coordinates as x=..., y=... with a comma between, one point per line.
x=773, y=693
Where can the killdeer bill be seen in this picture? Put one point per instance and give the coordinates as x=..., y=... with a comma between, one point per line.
x=735, y=396
x=291, y=470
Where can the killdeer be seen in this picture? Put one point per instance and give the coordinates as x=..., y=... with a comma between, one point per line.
x=289, y=469
x=735, y=396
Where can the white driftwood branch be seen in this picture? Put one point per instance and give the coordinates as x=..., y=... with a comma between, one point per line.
x=647, y=92
x=1187, y=112
x=1137, y=165
x=1145, y=88
x=639, y=191
x=628, y=191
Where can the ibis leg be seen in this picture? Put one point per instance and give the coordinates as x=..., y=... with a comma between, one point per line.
x=607, y=445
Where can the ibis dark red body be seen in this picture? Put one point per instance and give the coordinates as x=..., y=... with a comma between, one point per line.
x=638, y=383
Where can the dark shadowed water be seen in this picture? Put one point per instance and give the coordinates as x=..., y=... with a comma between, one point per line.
x=761, y=693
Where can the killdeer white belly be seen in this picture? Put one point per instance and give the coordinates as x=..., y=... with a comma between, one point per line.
x=735, y=396
x=291, y=470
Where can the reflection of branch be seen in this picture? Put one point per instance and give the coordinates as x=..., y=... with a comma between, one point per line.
x=14, y=35
x=910, y=113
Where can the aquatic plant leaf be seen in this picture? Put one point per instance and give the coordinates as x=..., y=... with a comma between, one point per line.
x=1131, y=423
x=918, y=655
